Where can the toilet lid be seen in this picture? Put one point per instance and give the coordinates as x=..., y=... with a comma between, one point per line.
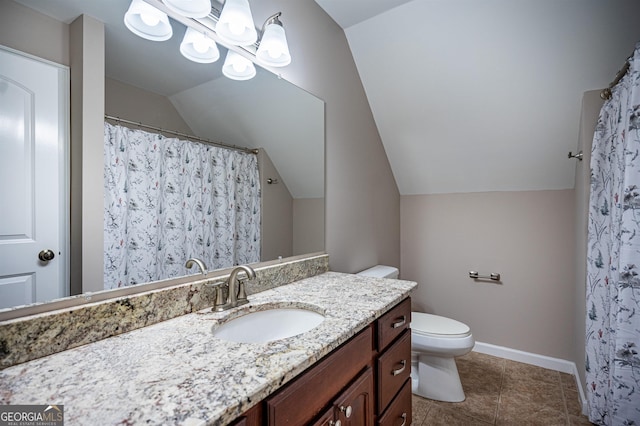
x=436, y=325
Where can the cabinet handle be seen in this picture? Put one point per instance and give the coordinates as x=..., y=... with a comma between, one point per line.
x=401, y=369
x=346, y=411
x=404, y=419
x=336, y=423
x=400, y=323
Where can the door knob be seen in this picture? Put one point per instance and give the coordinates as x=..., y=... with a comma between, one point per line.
x=46, y=255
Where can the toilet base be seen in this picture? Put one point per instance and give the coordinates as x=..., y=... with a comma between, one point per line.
x=436, y=378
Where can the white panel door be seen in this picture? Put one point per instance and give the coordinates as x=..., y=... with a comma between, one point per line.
x=33, y=134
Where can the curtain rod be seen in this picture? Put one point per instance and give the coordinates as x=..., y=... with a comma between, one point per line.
x=184, y=135
x=606, y=93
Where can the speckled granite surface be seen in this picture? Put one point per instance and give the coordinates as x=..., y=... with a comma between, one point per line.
x=32, y=337
x=175, y=372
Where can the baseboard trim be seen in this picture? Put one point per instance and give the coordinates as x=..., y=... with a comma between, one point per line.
x=543, y=361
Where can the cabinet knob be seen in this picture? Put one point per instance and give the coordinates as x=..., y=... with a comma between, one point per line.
x=404, y=419
x=346, y=410
x=336, y=423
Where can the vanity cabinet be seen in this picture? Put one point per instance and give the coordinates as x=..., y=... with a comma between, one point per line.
x=364, y=382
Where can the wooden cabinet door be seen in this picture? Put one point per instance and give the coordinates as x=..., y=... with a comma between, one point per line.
x=354, y=407
x=326, y=419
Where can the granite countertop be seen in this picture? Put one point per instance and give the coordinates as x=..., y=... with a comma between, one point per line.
x=176, y=372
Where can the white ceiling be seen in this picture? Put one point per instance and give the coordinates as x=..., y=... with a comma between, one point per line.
x=350, y=12
x=467, y=95
x=473, y=96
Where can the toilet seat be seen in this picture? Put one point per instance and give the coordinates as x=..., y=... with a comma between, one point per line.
x=437, y=326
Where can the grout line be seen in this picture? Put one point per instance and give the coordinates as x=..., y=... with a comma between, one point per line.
x=564, y=400
x=503, y=373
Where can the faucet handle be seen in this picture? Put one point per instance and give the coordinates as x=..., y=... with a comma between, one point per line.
x=219, y=286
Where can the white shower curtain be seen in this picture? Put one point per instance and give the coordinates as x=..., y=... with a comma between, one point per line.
x=167, y=200
x=613, y=258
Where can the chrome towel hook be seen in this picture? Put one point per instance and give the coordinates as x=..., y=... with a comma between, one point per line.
x=578, y=155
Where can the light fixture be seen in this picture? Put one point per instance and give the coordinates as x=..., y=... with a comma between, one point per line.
x=237, y=67
x=235, y=24
x=273, y=49
x=232, y=28
x=197, y=47
x=190, y=8
x=146, y=21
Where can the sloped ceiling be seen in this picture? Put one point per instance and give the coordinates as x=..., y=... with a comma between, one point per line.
x=265, y=112
x=473, y=96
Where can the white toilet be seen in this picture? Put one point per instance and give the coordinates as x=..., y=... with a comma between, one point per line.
x=435, y=341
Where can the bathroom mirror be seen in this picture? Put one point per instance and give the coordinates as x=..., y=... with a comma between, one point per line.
x=266, y=112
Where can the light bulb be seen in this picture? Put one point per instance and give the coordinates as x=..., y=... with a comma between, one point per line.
x=236, y=27
x=239, y=66
x=274, y=53
x=200, y=45
x=149, y=19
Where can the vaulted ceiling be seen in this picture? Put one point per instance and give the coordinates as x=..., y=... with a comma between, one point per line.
x=467, y=95
x=473, y=96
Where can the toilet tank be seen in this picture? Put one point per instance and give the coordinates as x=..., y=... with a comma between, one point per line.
x=381, y=271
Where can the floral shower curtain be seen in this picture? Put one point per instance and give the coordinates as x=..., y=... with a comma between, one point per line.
x=613, y=258
x=167, y=200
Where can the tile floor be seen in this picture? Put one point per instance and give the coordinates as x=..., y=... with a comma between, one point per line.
x=504, y=392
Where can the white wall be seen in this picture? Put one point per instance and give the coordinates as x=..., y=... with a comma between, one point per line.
x=134, y=104
x=276, y=226
x=362, y=199
x=308, y=225
x=23, y=29
x=526, y=236
x=86, y=51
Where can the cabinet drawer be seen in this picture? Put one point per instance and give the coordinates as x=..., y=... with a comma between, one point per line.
x=394, y=367
x=303, y=399
x=393, y=323
x=399, y=412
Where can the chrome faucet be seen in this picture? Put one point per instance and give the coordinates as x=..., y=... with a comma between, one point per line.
x=237, y=294
x=200, y=263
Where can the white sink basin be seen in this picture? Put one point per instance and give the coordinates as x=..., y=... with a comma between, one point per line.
x=266, y=326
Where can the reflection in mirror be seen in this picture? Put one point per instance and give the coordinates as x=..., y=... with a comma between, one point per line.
x=151, y=83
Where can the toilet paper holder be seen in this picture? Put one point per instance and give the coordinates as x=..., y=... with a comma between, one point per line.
x=493, y=276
